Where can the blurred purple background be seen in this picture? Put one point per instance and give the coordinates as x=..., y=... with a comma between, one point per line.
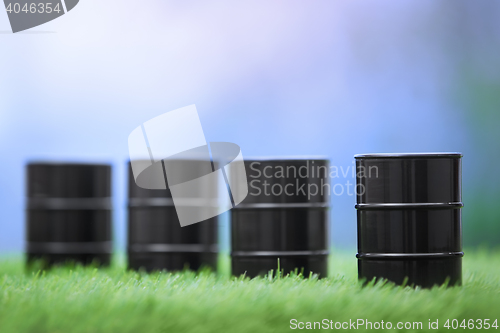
x=288, y=77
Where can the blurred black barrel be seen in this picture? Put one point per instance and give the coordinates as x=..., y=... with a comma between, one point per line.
x=156, y=241
x=284, y=216
x=409, y=218
x=69, y=213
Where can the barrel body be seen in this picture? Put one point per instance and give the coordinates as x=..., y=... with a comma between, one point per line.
x=156, y=240
x=69, y=213
x=283, y=222
x=409, y=218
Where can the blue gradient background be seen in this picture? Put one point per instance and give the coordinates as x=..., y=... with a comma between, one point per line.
x=290, y=77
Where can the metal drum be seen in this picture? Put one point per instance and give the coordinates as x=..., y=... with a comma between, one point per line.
x=284, y=218
x=156, y=241
x=409, y=218
x=69, y=213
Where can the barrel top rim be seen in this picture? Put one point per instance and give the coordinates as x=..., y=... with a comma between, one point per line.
x=69, y=163
x=409, y=155
x=286, y=158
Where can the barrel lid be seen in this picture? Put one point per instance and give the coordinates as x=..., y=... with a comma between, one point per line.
x=69, y=164
x=409, y=155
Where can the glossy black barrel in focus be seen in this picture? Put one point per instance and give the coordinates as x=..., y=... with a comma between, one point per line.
x=69, y=213
x=409, y=218
x=284, y=217
x=156, y=240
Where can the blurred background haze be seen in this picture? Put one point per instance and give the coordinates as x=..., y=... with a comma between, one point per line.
x=281, y=77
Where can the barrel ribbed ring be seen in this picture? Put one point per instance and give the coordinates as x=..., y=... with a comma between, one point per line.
x=402, y=206
x=288, y=205
x=105, y=247
x=279, y=253
x=406, y=256
x=70, y=203
x=173, y=248
x=150, y=202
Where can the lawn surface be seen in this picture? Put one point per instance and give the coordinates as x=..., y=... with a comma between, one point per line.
x=115, y=300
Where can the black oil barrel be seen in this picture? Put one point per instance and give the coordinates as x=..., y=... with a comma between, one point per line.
x=156, y=240
x=284, y=217
x=409, y=218
x=69, y=213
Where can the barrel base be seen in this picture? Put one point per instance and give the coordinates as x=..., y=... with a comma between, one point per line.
x=172, y=261
x=425, y=273
x=259, y=266
x=43, y=260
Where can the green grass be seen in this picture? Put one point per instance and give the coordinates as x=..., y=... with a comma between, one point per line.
x=115, y=300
